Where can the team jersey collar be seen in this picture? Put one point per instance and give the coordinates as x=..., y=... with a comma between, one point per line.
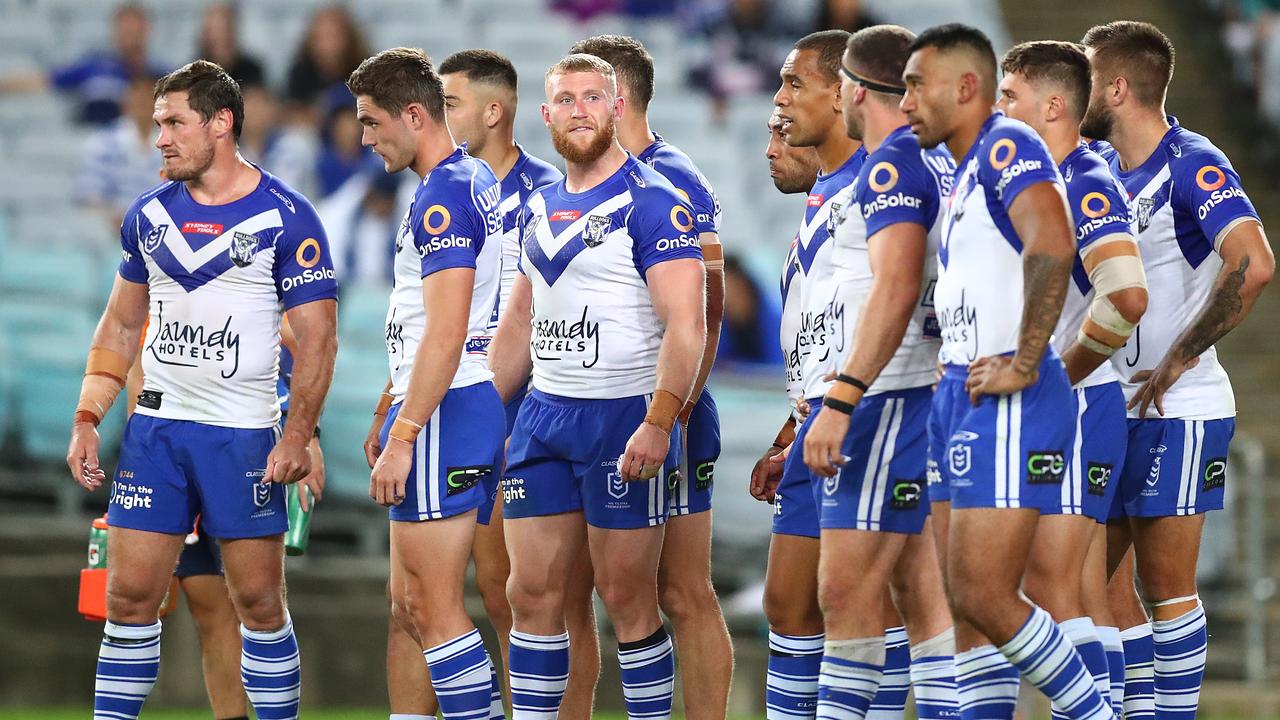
x=562, y=188
x=263, y=179
x=977, y=141
x=853, y=159
x=652, y=150
x=894, y=136
x=1158, y=157
x=1072, y=156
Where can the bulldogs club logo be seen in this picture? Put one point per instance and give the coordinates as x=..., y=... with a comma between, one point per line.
x=244, y=248
x=596, y=231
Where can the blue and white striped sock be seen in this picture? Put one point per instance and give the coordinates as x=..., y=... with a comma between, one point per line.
x=648, y=675
x=851, y=671
x=1139, y=673
x=271, y=671
x=539, y=671
x=496, y=710
x=933, y=677
x=890, y=701
x=791, y=687
x=1084, y=636
x=986, y=684
x=1180, y=648
x=462, y=677
x=128, y=664
x=1047, y=659
x=1114, y=646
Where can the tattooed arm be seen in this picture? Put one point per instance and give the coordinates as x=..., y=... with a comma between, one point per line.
x=1247, y=267
x=1039, y=216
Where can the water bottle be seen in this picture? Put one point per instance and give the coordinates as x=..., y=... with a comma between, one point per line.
x=98, y=544
x=295, y=540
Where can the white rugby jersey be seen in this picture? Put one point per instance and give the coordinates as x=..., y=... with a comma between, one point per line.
x=1186, y=198
x=595, y=332
x=898, y=183
x=218, y=277
x=979, y=292
x=822, y=213
x=789, y=327
x=1099, y=208
x=528, y=174
x=453, y=222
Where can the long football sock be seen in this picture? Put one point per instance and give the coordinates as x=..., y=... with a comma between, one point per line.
x=1181, y=645
x=1084, y=636
x=539, y=672
x=891, y=698
x=462, y=677
x=933, y=677
x=1139, y=673
x=851, y=671
x=1046, y=659
x=271, y=671
x=648, y=675
x=128, y=664
x=986, y=684
x=791, y=687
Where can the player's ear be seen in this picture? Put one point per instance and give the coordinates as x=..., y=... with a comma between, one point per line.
x=618, y=106
x=546, y=114
x=492, y=114
x=1119, y=90
x=1055, y=108
x=222, y=122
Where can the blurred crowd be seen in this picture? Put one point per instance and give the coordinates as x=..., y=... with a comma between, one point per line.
x=1251, y=32
x=304, y=130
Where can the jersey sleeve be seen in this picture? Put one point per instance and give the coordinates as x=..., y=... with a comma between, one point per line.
x=132, y=267
x=1013, y=159
x=1098, y=206
x=695, y=190
x=303, y=264
x=897, y=188
x=447, y=228
x=661, y=225
x=1211, y=191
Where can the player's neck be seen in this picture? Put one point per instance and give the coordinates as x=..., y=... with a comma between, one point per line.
x=228, y=179
x=433, y=148
x=1061, y=141
x=880, y=126
x=835, y=150
x=501, y=154
x=964, y=136
x=581, y=177
x=1136, y=137
x=634, y=133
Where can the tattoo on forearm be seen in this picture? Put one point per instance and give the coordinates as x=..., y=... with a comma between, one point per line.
x=1044, y=288
x=1220, y=315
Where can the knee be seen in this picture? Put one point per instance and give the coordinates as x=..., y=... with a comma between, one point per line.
x=261, y=608
x=684, y=598
x=131, y=605
x=621, y=591
x=529, y=596
x=494, y=594
x=837, y=595
x=791, y=612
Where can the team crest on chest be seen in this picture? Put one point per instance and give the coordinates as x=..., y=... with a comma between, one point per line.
x=152, y=239
x=597, y=229
x=244, y=248
x=1146, y=206
x=837, y=215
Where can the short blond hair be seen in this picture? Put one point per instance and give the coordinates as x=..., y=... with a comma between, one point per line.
x=580, y=63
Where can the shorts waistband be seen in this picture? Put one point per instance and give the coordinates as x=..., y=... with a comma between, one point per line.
x=565, y=401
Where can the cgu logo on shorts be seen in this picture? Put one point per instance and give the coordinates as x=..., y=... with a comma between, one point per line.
x=1099, y=476
x=1045, y=467
x=906, y=494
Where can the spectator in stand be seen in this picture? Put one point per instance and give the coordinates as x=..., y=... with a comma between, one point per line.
x=362, y=217
x=290, y=151
x=847, y=15
x=330, y=51
x=342, y=154
x=738, y=47
x=749, y=333
x=120, y=162
x=220, y=43
x=100, y=80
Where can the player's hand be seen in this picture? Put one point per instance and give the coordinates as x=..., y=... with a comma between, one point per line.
x=314, y=481
x=995, y=375
x=386, y=482
x=767, y=474
x=802, y=411
x=646, y=452
x=372, y=445
x=288, y=462
x=1155, y=383
x=82, y=456
x=823, y=441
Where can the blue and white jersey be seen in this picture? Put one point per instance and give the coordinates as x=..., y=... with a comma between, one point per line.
x=822, y=213
x=528, y=174
x=789, y=327
x=595, y=332
x=692, y=185
x=979, y=290
x=453, y=222
x=898, y=183
x=219, y=277
x=1186, y=198
x=1099, y=208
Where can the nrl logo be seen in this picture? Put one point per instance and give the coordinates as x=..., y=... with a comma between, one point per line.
x=244, y=248
x=596, y=231
x=153, y=238
x=531, y=228
x=1146, y=206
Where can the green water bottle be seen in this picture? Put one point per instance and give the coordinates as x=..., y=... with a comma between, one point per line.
x=98, y=544
x=295, y=541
